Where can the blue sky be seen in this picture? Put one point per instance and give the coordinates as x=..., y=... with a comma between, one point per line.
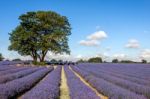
x=125, y=22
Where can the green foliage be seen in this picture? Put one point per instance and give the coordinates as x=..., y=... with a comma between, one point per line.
x=95, y=60
x=115, y=61
x=144, y=61
x=39, y=63
x=1, y=57
x=40, y=32
x=127, y=61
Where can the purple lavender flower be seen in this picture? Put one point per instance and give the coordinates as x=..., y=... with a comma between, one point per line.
x=78, y=90
x=15, y=87
x=48, y=88
x=107, y=88
x=9, y=77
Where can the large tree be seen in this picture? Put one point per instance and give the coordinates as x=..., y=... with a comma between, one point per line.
x=40, y=32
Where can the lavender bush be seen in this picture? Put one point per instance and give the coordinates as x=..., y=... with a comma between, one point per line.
x=130, y=70
x=11, y=62
x=113, y=72
x=47, y=88
x=15, y=87
x=9, y=77
x=3, y=68
x=9, y=71
x=78, y=90
x=137, y=88
x=107, y=88
x=141, y=71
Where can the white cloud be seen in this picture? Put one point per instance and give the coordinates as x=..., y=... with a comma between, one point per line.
x=99, y=35
x=64, y=57
x=15, y=55
x=120, y=56
x=94, y=39
x=79, y=56
x=89, y=43
x=145, y=54
x=51, y=55
x=132, y=43
x=25, y=57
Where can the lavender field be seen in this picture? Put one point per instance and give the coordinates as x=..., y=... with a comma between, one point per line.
x=82, y=81
x=75, y=49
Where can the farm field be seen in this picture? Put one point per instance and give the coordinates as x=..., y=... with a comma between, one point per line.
x=75, y=49
x=81, y=81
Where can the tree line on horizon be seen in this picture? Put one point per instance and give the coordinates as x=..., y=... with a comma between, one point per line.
x=90, y=60
x=99, y=60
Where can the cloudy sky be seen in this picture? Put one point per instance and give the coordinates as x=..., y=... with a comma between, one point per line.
x=107, y=28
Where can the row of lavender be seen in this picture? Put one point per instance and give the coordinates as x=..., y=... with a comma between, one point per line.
x=7, y=67
x=124, y=74
x=48, y=88
x=2, y=63
x=78, y=90
x=123, y=71
x=21, y=72
x=106, y=86
x=8, y=73
x=119, y=81
x=141, y=71
x=16, y=80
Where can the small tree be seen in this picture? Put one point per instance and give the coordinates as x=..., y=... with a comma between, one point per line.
x=144, y=61
x=1, y=57
x=115, y=61
x=95, y=60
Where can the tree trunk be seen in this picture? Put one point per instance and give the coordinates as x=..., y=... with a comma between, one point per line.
x=34, y=56
x=43, y=56
x=35, y=59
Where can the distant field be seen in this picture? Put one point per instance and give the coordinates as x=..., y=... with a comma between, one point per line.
x=82, y=81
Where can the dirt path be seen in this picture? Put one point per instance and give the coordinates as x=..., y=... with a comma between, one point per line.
x=55, y=66
x=64, y=90
x=82, y=79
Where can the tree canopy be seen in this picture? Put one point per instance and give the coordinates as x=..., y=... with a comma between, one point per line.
x=40, y=32
x=95, y=60
x=144, y=61
x=115, y=61
x=127, y=61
